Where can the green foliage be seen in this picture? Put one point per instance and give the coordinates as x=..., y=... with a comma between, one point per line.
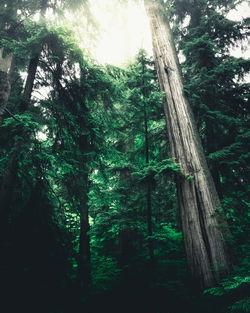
x=21, y=120
x=241, y=305
x=90, y=146
x=105, y=272
x=154, y=169
x=35, y=37
x=235, y=285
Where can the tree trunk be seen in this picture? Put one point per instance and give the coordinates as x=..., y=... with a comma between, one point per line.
x=149, y=180
x=77, y=187
x=127, y=235
x=10, y=174
x=148, y=194
x=32, y=69
x=204, y=230
x=5, y=69
x=84, y=248
x=6, y=192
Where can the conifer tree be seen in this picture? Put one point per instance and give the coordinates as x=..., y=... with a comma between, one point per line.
x=204, y=231
x=220, y=104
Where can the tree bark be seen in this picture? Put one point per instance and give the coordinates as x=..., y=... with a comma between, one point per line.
x=204, y=230
x=5, y=69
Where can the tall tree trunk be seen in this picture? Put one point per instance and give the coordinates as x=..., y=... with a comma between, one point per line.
x=148, y=193
x=77, y=186
x=10, y=174
x=204, y=230
x=84, y=266
x=149, y=180
x=34, y=59
x=5, y=69
x=126, y=234
x=6, y=192
x=32, y=69
x=84, y=248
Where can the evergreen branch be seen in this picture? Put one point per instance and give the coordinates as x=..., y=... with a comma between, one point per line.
x=12, y=115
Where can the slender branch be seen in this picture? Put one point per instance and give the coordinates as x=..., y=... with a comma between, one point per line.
x=54, y=193
x=12, y=115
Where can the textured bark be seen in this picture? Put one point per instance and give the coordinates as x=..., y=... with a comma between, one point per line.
x=204, y=230
x=5, y=69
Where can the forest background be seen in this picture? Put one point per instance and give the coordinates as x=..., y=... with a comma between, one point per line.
x=89, y=210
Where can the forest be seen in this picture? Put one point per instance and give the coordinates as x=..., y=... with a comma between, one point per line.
x=124, y=188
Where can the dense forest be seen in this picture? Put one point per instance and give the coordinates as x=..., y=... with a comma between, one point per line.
x=124, y=189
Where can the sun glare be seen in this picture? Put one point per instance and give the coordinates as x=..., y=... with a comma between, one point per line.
x=124, y=30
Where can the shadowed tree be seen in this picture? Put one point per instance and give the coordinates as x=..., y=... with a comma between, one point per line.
x=5, y=67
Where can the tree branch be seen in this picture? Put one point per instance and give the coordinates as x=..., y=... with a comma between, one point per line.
x=12, y=115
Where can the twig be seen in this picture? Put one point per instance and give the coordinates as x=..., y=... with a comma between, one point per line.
x=12, y=115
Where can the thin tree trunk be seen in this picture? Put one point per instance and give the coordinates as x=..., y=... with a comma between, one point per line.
x=148, y=195
x=125, y=239
x=84, y=248
x=77, y=186
x=6, y=193
x=10, y=174
x=32, y=69
x=5, y=69
x=148, y=192
x=34, y=60
x=204, y=231
x=127, y=233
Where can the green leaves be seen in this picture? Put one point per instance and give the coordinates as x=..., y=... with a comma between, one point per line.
x=241, y=305
x=229, y=284
x=234, y=285
x=226, y=152
x=105, y=272
x=156, y=168
x=21, y=119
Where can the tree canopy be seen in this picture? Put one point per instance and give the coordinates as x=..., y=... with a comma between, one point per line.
x=90, y=213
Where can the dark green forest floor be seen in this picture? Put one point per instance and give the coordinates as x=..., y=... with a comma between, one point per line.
x=40, y=292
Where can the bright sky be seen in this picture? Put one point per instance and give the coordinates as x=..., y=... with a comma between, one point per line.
x=243, y=11
x=125, y=29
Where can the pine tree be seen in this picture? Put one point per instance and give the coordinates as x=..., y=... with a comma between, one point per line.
x=204, y=231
